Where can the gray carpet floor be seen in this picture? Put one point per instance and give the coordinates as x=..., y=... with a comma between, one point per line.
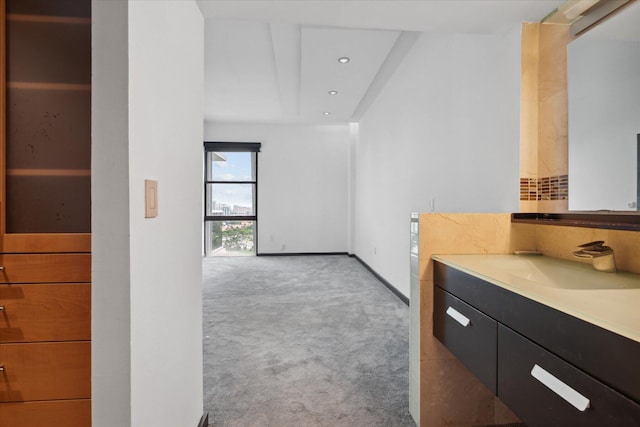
x=303, y=341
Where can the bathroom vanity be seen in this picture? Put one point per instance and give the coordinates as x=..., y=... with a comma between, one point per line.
x=556, y=341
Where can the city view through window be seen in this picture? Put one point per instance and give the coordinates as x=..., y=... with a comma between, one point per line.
x=230, y=218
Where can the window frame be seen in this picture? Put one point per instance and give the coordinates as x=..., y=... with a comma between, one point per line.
x=222, y=147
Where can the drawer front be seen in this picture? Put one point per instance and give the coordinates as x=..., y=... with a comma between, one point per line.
x=45, y=268
x=475, y=344
x=45, y=371
x=532, y=382
x=47, y=312
x=45, y=243
x=58, y=413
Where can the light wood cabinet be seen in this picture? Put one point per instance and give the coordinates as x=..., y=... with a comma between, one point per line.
x=45, y=213
x=38, y=268
x=67, y=413
x=45, y=312
x=45, y=371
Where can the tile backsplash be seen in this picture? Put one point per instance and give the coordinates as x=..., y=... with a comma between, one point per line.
x=545, y=188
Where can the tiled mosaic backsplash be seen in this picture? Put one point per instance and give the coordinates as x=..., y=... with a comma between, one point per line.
x=545, y=188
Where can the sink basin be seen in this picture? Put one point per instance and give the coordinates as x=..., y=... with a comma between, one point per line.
x=554, y=272
x=608, y=300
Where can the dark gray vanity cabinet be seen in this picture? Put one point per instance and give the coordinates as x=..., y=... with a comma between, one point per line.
x=596, y=405
x=469, y=334
x=550, y=368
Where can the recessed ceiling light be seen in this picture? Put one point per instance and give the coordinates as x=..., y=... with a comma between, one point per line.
x=343, y=60
x=333, y=92
x=326, y=113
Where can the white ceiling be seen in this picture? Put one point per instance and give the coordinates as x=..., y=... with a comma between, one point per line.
x=275, y=61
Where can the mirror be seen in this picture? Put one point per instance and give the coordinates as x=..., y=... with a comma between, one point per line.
x=604, y=115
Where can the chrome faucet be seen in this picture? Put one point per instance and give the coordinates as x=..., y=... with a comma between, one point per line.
x=601, y=256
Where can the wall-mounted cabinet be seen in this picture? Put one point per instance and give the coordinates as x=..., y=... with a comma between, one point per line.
x=45, y=213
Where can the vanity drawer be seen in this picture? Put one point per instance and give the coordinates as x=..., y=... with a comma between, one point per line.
x=469, y=334
x=45, y=268
x=45, y=312
x=45, y=371
x=524, y=367
x=58, y=413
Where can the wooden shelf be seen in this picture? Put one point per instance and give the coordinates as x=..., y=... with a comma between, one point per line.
x=48, y=19
x=611, y=221
x=49, y=172
x=49, y=86
x=45, y=207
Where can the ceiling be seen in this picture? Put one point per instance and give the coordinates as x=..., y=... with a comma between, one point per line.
x=276, y=61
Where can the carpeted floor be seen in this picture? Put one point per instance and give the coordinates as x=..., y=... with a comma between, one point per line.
x=303, y=341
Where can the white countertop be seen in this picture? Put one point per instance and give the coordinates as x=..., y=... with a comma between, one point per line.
x=609, y=300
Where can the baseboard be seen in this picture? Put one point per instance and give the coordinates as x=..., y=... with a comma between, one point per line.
x=392, y=288
x=204, y=421
x=299, y=253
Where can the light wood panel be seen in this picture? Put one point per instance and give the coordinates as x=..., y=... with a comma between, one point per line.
x=49, y=86
x=45, y=371
x=46, y=243
x=529, y=102
x=49, y=19
x=61, y=413
x=45, y=268
x=544, y=108
x=49, y=172
x=553, y=101
x=47, y=312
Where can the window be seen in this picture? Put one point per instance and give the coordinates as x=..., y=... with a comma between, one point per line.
x=231, y=196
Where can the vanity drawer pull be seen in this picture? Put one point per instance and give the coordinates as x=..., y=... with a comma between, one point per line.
x=580, y=402
x=458, y=317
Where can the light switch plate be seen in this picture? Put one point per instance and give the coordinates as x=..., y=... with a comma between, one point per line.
x=150, y=198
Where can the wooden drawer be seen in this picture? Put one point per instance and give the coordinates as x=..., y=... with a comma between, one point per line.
x=45, y=268
x=47, y=312
x=538, y=405
x=45, y=371
x=475, y=344
x=58, y=413
x=45, y=243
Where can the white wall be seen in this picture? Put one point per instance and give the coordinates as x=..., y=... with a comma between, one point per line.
x=147, y=282
x=302, y=184
x=604, y=121
x=444, y=129
x=110, y=299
